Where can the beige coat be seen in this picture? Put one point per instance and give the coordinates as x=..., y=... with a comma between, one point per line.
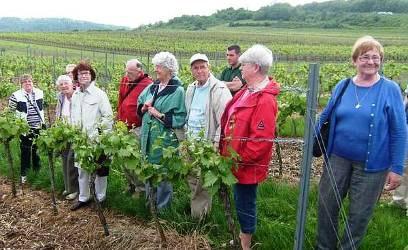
x=219, y=96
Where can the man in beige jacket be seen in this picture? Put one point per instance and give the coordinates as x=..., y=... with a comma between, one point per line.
x=205, y=101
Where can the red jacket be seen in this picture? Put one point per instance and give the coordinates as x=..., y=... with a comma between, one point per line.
x=250, y=131
x=127, y=104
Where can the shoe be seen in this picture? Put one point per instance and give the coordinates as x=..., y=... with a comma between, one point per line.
x=79, y=205
x=398, y=203
x=23, y=179
x=71, y=196
x=65, y=193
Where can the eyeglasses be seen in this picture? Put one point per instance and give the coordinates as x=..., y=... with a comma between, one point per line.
x=84, y=73
x=368, y=58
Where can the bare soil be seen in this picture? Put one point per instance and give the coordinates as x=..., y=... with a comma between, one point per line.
x=27, y=222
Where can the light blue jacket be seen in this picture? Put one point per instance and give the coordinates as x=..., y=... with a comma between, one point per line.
x=387, y=130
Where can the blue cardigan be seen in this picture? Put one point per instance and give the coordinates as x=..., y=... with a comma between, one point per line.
x=387, y=130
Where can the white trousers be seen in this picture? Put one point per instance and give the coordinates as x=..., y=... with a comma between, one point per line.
x=101, y=184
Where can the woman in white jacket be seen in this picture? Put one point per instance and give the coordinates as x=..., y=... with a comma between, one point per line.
x=90, y=110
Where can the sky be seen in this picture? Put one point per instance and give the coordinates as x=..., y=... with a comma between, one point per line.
x=130, y=13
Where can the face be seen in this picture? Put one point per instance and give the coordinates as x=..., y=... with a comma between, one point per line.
x=248, y=70
x=162, y=73
x=200, y=71
x=133, y=73
x=66, y=87
x=84, y=78
x=368, y=63
x=27, y=85
x=69, y=72
x=232, y=57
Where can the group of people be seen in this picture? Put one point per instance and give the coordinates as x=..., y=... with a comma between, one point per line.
x=238, y=110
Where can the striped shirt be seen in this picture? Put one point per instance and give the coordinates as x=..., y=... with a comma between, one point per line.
x=33, y=117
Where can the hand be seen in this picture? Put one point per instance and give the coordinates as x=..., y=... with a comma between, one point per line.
x=235, y=85
x=153, y=111
x=147, y=105
x=392, y=181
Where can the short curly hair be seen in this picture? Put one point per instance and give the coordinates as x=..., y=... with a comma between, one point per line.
x=258, y=54
x=82, y=66
x=365, y=44
x=166, y=60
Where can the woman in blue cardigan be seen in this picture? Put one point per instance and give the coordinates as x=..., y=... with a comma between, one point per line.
x=365, y=151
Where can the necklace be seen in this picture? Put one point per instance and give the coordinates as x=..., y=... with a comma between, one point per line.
x=359, y=101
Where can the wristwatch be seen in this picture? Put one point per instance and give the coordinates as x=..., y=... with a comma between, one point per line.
x=162, y=116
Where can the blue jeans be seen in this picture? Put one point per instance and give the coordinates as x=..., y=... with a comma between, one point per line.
x=363, y=190
x=245, y=204
x=164, y=193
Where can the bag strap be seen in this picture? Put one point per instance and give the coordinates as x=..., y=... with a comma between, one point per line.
x=343, y=89
x=35, y=108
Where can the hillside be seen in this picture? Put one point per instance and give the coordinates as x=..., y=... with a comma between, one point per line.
x=330, y=14
x=14, y=24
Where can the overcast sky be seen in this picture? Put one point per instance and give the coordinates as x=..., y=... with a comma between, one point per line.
x=130, y=13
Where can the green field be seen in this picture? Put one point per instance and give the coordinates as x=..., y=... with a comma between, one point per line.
x=45, y=55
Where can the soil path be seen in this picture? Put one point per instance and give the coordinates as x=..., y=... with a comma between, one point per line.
x=27, y=222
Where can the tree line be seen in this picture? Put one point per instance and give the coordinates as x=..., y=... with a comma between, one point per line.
x=331, y=14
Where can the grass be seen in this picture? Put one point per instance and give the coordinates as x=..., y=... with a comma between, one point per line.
x=277, y=207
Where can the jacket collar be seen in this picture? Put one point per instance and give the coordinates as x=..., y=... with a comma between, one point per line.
x=171, y=87
x=139, y=79
x=272, y=88
x=91, y=88
x=211, y=81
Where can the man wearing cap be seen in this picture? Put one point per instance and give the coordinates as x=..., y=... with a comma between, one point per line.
x=205, y=101
x=131, y=85
x=232, y=74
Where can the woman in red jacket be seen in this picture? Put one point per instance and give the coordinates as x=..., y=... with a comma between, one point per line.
x=248, y=126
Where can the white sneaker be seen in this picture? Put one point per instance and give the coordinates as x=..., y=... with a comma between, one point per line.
x=71, y=196
x=65, y=193
x=23, y=179
x=398, y=204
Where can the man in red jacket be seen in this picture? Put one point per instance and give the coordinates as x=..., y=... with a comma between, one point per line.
x=131, y=85
x=248, y=127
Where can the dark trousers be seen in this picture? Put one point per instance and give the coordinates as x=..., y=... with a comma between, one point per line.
x=341, y=178
x=29, y=152
x=69, y=171
x=245, y=204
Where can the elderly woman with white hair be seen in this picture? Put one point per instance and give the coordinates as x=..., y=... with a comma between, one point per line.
x=248, y=127
x=161, y=106
x=63, y=111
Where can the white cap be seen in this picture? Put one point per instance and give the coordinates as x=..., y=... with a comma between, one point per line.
x=198, y=57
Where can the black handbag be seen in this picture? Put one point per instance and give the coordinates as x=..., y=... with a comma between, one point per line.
x=321, y=139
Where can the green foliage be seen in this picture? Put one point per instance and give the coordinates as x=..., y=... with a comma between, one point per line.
x=87, y=151
x=11, y=126
x=6, y=89
x=14, y=24
x=56, y=138
x=122, y=148
x=204, y=160
x=329, y=14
